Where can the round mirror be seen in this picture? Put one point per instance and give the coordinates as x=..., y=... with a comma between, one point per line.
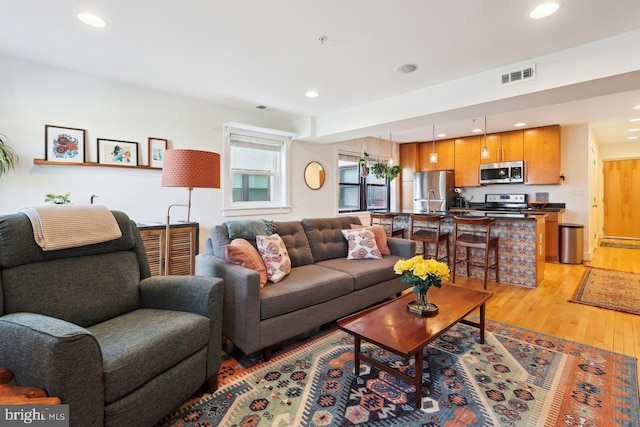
x=314, y=175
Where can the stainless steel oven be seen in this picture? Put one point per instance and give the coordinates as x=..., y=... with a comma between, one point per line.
x=502, y=173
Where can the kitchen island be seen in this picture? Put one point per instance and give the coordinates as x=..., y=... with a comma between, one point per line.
x=521, y=246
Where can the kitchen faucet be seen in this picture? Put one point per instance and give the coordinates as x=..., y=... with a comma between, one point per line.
x=429, y=200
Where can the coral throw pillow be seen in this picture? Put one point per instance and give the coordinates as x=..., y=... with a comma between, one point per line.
x=241, y=252
x=275, y=256
x=362, y=244
x=380, y=234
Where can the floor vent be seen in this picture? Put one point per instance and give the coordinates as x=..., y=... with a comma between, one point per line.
x=519, y=75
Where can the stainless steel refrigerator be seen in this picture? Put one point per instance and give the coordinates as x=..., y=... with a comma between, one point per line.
x=433, y=191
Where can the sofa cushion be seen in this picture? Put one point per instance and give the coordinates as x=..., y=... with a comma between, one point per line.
x=241, y=252
x=365, y=272
x=305, y=286
x=362, y=244
x=325, y=236
x=140, y=345
x=295, y=239
x=381, y=236
x=275, y=256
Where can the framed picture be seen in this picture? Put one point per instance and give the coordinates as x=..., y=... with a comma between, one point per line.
x=157, y=147
x=64, y=144
x=114, y=152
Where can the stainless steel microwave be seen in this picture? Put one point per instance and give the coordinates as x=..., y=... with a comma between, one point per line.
x=502, y=173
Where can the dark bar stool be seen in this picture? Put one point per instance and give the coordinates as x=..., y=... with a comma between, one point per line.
x=474, y=233
x=426, y=229
x=386, y=220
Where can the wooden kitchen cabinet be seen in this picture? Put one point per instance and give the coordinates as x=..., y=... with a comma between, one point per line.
x=467, y=161
x=542, y=147
x=552, y=223
x=445, y=151
x=183, y=244
x=505, y=147
x=552, y=234
x=409, y=163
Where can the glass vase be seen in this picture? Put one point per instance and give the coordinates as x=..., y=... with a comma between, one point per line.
x=422, y=306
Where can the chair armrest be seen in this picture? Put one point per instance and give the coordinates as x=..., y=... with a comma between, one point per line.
x=62, y=358
x=241, y=323
x=404, y=248
x=199, y=295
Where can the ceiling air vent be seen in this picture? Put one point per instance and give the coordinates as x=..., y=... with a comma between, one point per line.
x=261, y=107
x=521, y=74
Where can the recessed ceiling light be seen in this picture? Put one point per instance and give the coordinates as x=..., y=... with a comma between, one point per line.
x=520, y=124
x=312, y=94
x=92, y=20
x=441, y=135
x=405, y=68
x=637, y=107
x=635, y=120
x=634, y=130
x=633, y=137
x=476, y=130
x=544, y=10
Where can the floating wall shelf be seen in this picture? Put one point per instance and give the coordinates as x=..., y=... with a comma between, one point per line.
x=48, y=162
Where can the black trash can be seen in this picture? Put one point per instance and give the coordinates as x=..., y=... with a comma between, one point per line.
x=571, y=243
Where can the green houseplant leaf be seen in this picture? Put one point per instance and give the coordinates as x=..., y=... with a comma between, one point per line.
x=8, y=156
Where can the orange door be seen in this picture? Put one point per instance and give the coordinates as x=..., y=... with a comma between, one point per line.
x=622, y=198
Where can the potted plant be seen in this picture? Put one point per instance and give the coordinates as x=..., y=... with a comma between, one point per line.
x=8, y=156
x=422, y=274
x=57, y=199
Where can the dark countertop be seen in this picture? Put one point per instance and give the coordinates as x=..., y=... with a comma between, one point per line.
x=472, y=213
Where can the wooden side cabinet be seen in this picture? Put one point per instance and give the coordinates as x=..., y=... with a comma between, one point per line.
x=183, y=247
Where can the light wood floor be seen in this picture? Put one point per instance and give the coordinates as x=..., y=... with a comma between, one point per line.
x=546, y=309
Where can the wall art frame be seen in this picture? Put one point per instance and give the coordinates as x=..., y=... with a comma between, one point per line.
x=157, y=147
x=117, y=152
x=64, y=144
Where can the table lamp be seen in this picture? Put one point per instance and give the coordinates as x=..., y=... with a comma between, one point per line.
x=190, y=169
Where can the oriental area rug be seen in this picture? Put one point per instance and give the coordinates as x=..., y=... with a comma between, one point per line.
x=517, y=378
x=615, y=290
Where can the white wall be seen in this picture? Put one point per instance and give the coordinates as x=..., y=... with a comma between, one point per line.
x=32, y=95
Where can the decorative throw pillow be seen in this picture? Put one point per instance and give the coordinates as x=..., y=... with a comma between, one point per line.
x=362, y=244
x=380, y=234
x=275, y=256
x=241, y=252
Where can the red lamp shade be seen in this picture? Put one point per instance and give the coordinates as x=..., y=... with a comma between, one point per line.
x=191, y=169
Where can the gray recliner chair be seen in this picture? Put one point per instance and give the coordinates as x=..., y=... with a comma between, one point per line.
x=90, y=326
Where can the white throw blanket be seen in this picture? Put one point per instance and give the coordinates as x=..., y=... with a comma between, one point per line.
x=67, y=226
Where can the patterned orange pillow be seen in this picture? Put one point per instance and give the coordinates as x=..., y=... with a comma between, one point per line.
x=381, y=236
x=241, y=252
x=362, y=244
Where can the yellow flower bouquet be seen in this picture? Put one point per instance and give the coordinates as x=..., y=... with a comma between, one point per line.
x=422, y=274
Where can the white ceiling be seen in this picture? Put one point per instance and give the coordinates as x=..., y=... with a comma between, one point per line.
x=245, y=53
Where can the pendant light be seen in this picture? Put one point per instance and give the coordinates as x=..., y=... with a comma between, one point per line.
x=433, y=157
x=392, y=150
x=485, y=150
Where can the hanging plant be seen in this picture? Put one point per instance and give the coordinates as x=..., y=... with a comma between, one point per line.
x=8, y=156
x=364, y=165
x=382, y=170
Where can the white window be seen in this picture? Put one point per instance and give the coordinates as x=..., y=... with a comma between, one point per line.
x=256, y=170
x=357, y=193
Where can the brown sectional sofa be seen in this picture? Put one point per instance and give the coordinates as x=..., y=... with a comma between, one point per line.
x=322, y=286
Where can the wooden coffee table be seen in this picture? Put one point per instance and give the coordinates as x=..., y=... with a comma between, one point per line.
x=391, y=326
